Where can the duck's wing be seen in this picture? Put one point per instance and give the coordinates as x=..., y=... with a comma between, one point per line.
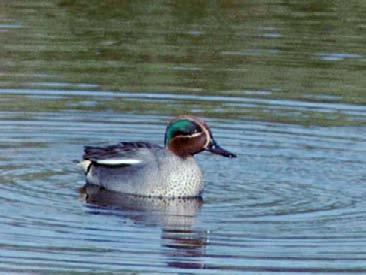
x=123, y=153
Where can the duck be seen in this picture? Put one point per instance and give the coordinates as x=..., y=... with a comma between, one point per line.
x=146, y=169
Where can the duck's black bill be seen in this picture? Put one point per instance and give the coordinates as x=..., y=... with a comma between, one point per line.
x=216, y=149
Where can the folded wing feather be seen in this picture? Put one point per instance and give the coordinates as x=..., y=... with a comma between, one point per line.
x=123, y=153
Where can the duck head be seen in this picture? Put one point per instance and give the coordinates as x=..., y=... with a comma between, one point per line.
x=186, y=136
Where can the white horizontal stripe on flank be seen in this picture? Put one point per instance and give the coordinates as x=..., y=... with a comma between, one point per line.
x=118, y=161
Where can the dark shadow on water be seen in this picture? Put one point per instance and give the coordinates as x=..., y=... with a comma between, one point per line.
x=182, y=246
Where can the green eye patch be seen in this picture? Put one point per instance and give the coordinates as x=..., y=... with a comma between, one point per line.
x=180, y=127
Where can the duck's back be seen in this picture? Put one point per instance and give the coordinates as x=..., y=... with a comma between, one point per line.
x=143, y=169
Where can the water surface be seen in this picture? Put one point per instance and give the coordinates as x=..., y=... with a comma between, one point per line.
x=281, y=83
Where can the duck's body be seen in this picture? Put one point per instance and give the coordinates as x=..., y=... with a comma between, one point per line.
x=154, y=171
x=145, y=169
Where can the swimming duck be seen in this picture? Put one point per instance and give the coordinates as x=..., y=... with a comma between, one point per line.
x=146, y=169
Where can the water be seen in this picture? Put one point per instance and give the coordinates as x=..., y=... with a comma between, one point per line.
x=280, y=83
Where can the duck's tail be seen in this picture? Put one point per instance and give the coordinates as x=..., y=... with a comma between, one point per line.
x=84, y=164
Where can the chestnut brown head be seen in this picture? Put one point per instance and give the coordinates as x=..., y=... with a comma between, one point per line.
x=186, y=136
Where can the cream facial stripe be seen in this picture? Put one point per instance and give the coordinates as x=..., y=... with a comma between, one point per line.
x=203, y=127
x=196, y=135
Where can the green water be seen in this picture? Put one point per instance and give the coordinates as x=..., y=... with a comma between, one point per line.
x=309, y=51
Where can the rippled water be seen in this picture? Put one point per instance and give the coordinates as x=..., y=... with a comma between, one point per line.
x=280, y=83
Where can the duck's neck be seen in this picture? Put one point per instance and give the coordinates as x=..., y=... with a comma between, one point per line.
x=179, y=152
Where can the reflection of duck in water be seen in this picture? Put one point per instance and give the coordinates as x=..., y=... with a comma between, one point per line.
x=182, y=246
x=146, y=169
x=165, y=212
